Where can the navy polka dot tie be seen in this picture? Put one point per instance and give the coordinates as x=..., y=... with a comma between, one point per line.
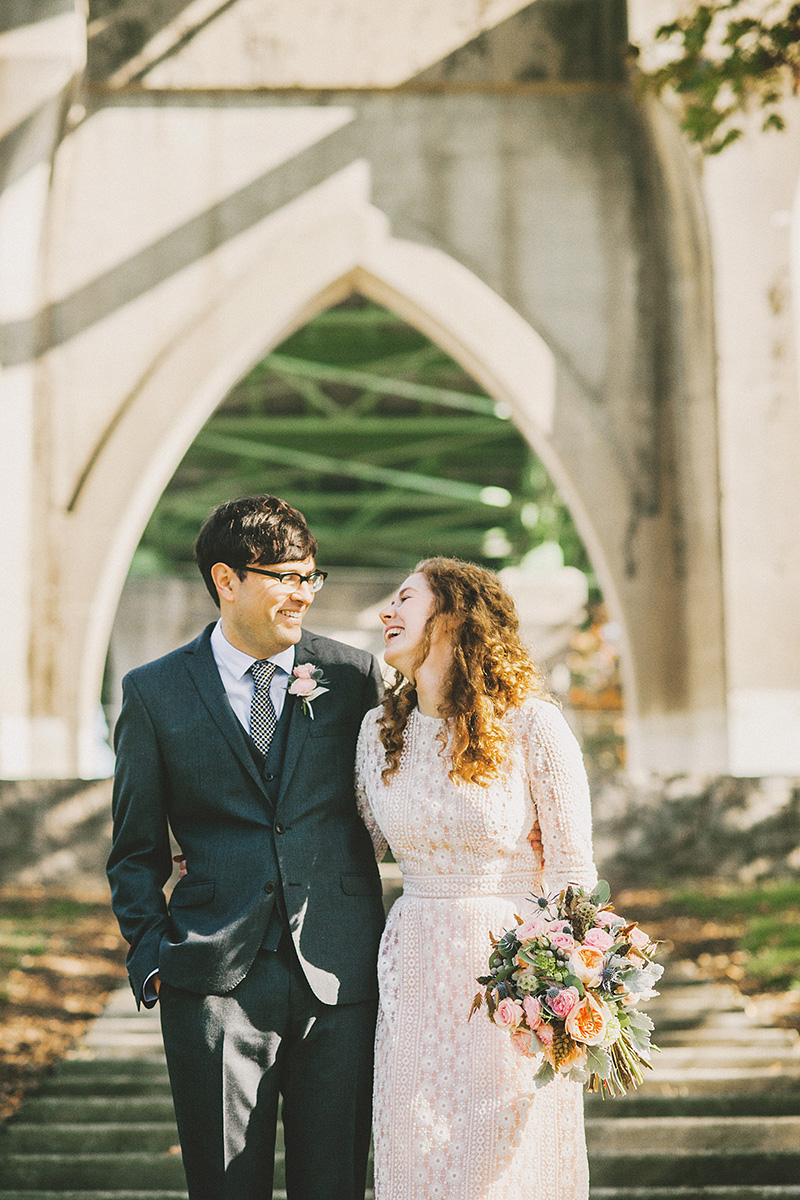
x=263, y=721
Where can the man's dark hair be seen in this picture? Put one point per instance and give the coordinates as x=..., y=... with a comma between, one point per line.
x=253, y=529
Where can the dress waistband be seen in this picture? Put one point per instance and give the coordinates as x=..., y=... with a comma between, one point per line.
x=451, y=887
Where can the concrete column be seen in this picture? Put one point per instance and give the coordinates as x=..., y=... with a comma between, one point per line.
x=750, y=193
x=39, y=61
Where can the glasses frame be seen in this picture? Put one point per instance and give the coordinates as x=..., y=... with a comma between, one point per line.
x=281, y=577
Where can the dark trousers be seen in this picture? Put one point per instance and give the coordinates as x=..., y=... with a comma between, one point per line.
x=231, y=1057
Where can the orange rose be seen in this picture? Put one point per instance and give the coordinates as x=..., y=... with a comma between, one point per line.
x=587, y=1021
x=587, y=963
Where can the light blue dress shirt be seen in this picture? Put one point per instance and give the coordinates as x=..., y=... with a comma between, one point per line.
x=234, y=669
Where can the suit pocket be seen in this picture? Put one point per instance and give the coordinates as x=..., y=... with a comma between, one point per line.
x=361, y=885
x=192, y=895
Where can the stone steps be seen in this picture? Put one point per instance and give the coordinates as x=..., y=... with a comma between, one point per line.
x=790, y=1192
x=719, y=1118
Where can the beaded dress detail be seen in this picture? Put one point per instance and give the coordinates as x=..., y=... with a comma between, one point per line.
x=456, y=1116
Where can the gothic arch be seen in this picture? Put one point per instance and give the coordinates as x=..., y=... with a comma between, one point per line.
x=315, y=266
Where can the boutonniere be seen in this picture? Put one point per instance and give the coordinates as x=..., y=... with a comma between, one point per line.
x=307, y=684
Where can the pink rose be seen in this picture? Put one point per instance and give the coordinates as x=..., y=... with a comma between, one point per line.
x=556, y=927
x=587, y=963
x=587, y=1021
x=601, y=939
x=562, y=941
x=606, y=917
x=529, y=930
x=638, y=938
x=508, y=1013
x=533, y=1011
x=303, y=686
x=545, y=1034
x=562, y=1004
x=523, y=1043
x=304, y=671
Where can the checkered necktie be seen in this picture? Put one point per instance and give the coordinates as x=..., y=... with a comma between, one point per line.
x=263, y=721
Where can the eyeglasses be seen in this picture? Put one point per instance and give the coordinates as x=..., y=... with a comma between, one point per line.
x=293, y=579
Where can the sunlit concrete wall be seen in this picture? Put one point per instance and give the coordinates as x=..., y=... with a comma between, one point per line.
x=517, y=203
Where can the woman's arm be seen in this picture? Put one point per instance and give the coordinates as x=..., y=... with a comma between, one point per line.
x=367, y=767
x=560, y=793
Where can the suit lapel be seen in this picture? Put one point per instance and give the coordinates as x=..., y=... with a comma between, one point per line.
x=300, y=722
x=206, y=678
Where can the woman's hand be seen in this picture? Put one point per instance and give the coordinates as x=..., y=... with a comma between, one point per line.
x=180, y=859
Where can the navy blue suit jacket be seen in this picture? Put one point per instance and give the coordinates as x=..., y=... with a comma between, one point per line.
x=185, y=764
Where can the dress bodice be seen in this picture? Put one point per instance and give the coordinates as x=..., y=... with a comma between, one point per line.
x=442, y=831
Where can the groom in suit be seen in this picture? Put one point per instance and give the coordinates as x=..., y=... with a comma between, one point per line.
x=263, y=957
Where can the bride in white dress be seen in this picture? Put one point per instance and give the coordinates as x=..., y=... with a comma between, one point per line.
x=452, y=771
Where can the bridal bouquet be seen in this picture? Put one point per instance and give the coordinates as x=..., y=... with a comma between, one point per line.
x=566, y=983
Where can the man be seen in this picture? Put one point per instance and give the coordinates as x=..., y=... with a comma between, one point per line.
x=264, y=957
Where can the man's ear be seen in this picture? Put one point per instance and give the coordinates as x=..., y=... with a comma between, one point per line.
x=225, y=581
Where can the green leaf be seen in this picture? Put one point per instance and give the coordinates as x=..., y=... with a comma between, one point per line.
x=601, y=894
x=639, y=1020
x=598, y=1061
x=573, y=981
x=638, y=1032
x=544, y=1075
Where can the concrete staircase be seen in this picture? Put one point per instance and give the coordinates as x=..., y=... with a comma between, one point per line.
x=718, y=1120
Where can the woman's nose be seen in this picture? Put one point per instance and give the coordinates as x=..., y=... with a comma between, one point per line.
x=386, y=614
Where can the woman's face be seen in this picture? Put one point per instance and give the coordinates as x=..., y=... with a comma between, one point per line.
x=404, y=619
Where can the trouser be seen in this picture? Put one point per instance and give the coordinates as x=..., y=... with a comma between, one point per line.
x=231, y=1057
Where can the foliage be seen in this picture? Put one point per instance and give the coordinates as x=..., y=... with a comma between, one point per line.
x=727, y=62
x=768, y=920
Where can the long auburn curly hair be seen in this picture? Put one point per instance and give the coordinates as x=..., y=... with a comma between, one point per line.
x=491, y=672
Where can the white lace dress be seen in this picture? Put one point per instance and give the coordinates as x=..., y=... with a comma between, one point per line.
x=456, y=1114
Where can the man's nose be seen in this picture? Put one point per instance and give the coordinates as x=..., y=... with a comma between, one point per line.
x=304, y=592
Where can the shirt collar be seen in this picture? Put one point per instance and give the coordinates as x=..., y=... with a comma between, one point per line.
x=239, y=663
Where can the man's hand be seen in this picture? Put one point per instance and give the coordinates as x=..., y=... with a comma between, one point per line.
x=535, y=839
x=180, y=859
x=156, y=983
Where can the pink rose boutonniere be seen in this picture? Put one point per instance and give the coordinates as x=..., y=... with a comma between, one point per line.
x=307, y=684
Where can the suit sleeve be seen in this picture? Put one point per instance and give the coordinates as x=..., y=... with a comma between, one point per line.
x=140, y=862
x=373, y=687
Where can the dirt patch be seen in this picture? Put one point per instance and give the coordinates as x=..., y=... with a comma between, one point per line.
x=61, y=956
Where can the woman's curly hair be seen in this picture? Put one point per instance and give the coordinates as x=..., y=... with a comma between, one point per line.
x=491, y=672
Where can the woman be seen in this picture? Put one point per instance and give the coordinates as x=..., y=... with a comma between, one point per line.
x=452, y=772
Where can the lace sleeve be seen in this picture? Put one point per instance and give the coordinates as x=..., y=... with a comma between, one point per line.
x=368, y=773
x=560, y=792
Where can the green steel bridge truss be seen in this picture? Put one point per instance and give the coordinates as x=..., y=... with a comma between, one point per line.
x=386, y=445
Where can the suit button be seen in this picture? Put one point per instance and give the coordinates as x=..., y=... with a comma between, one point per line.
x=280, y=828
x=269, y=888
x=268, y=778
